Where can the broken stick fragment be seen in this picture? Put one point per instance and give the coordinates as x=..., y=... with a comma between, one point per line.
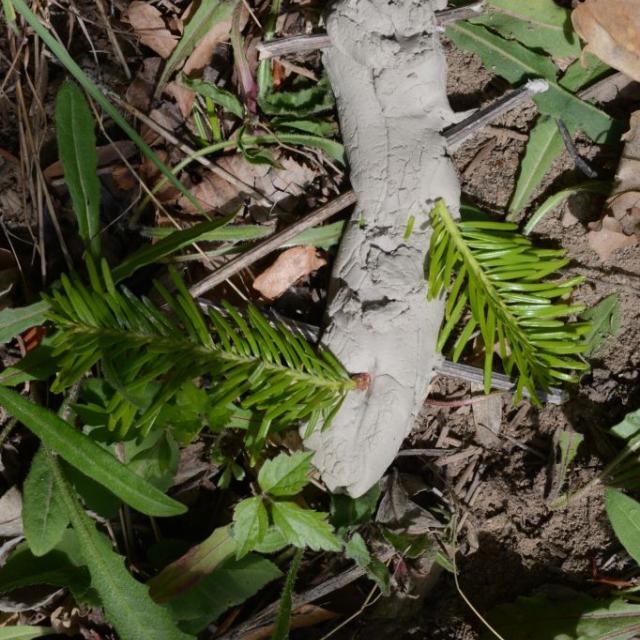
x=388, y=73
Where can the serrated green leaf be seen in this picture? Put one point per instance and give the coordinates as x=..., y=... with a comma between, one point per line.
x=88, y=457
x=188, y=570
x=250, y=523
x=227, y=100
x=205, y=17
x=538, y=24
x=25, y=632
x=605, y=319
x=286, y=474
x=356, y=549
x=564, y=614
x=227, y=586
x=126, y=601
x=44, y=516
x=348, y=512
x=77, y=151
x=624, y=515
x=273, y=541
x=304, y=527
x=14, y=321
x=516, y=63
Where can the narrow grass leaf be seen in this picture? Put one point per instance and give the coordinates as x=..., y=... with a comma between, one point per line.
x=77, y=151
x=88, y=457
x=126, y=602
x=207, y=15
x=558, y=198
x=92, y=89
x=165, y=247
x=44, y=516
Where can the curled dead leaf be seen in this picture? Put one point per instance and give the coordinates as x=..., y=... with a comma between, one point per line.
x=611, y=29
x=604, y=242
x=150, y=27
x=291, y=265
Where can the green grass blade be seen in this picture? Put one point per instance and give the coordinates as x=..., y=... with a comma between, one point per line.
x=206, y=16
x=557, y=198
x=88, y=457
x=165, y=247
x=90, y=87
x=126, y=602
x=77, y=151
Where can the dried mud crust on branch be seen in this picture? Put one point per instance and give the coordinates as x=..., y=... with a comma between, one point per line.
x=388, y=73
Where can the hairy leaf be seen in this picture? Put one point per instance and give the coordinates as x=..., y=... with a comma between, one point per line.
x=63, y=566
x=624, y=515
x=250, y=523
x=77, y=150
x=301, y=103
x=564, y=614
x=500, y=275
x=516, y=63
x=126, y=601
x=286, y=474
x=281, y=630
x=14, y=321
x=227, y=586
x=44, y=516
x=605, y=319
x=88, y=457
x=538, y=24
x=304, y=527
x=191, y=568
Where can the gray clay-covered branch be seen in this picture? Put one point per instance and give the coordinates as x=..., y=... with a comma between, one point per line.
x=388, y=73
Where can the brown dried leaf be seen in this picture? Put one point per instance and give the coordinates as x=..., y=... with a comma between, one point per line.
x=291, y=265
x=605, y=242
x=184, y=97
x=150, y=27
x=611, y=29
x=278, y=184
x=204, y=50
x=140, y=91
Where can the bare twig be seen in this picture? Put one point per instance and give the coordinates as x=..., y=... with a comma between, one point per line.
x=272, y=243
x=579, y=161
x=313, y=42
